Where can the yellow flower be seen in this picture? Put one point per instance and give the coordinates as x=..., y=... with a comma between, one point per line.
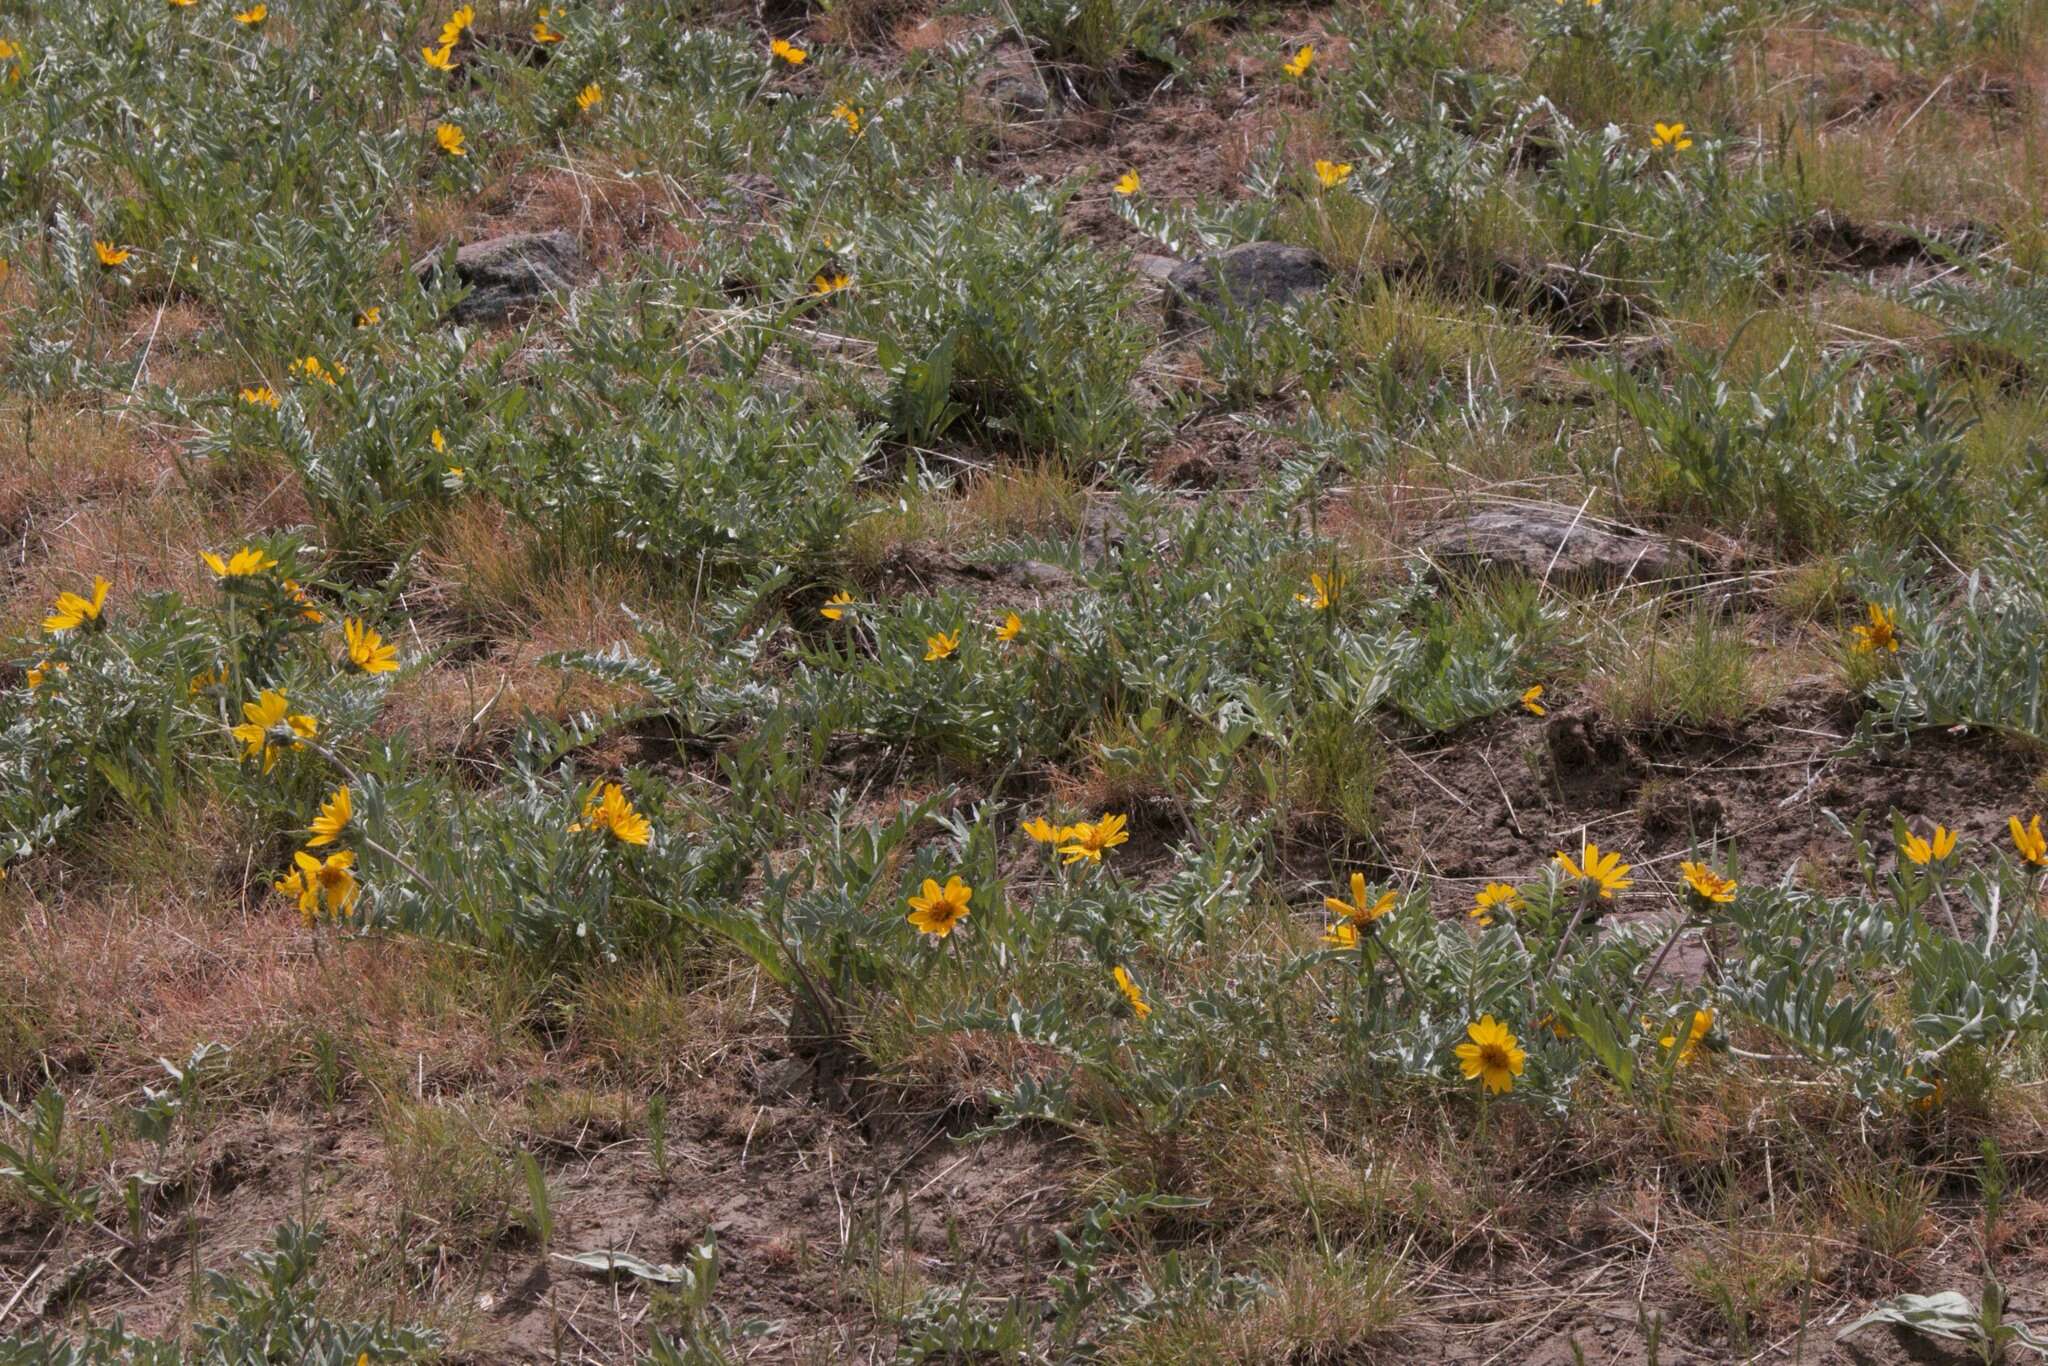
x=836, y=606
x=1923, y=852
x=1708, y=884
x=1341, y=934
x=1670, y=135
x=849, y=115
x=1089, y=839
x=788, y=52
x=608, y=808
x=1492, y=1058
x=1494, y=896
x=1362, y=909
x=1531, y=700
x=830, y=281
x=244, y=562
x=297, y=594
x=438, y=442
x=39, y=673
x=2028, y=839
x=1332, y=173
x=70, y=610
x=181, y=4
x=1127, y=184
x=1881, y=632
x=1303, y=60
x=463, y=17
x=1045, y=832
x=542, y=33
x=940, y=908
x=449, y=136
x=1604, y=873
x=109, y=254
x=253, y=15
x=262, y=396
x=311, y=368
x=588, y=97
x=1012, y=627
x=335, y=814
x=370, y=316
x=268, y=718
x=1131, y=992
x=367, y=650
x=1322, y=594
x=941, y=646
x=331, y=884
x=1702, y=1021
x=439, y=58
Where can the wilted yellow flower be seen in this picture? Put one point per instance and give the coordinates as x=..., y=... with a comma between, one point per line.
x=941, y=646
x=316, y=884
x=1532, y=700
x=1702, y=1021
x=1881, y=632
x=1341, y=934
x=1364, y=906
x=269, y=720
x=835, y=606
x=248, y=560
x=370, y=316
x=1128, y=184
x=1492, y=1058
x=440, y=58
x=1302, y=61
x=1924, y=852
x=1011, y=628
x=849, y=115
x=70, y=610
x=939, y=909
x=109, y=254
x=1323, y=588
x=1494, y=896
x=541, y=32
x=608, y=808
x=1603, y=873
x=588, y=97
x=262, y=396
x=1131, y=992
x=1670, y=135
x=788, y=52
x=2028, y=839
x=1090, y=839
x=335, y=814
x=449, y=137
x=830, y=281
x=297, y=593
x=1332, y=173
x=253, y=15
x=1708, y=884
x=367, y=650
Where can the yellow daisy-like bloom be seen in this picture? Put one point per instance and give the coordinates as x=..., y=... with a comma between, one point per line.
x=1670, y=135
x=941, y=646
x=608, y=808
x=71, y=611
x=437, y=441
x=1492, y=1058
x=244, y=562
x=1131, y=992
x=589, y=96
x=1702, y=1021
x=367, y=650
x=1605, y=874
x=836, y=606
x=370, y=316
x=449, y=137
x=311, y=368
x=439, y=58
x=542, y=33
x=939, y=909
x=181, y=4
x=1364, y=906
x=1532, y=701
x=1923, y=852
x=1494, y=896
x=1707, y=884
x=335, y=814
x=297, y=594
x=1045, y=832
x=109, y=254
x=830, y=281
x=262, y=396
x=1011, y=628
x=2029, y=840
x=1332, y=173
x=253, y=15
x=39, y=673
x=849, y=115
x=788, y=52
x=1303, y=59
x=329, y=884
x=463, y=17
x=1090, y=839
x=1341, y=934
x=1128, y=184
x=269, y=717
x=1323, y=588
x=1880, y=632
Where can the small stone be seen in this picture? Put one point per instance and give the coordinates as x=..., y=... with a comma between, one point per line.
x=507, y=273
x=1554, y=544
x=1244, y=276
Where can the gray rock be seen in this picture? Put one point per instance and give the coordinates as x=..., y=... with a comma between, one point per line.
x=508, y=273
x=1246, y=275
x=1159, y=268
x=1011, y=86
x=1553, y=543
